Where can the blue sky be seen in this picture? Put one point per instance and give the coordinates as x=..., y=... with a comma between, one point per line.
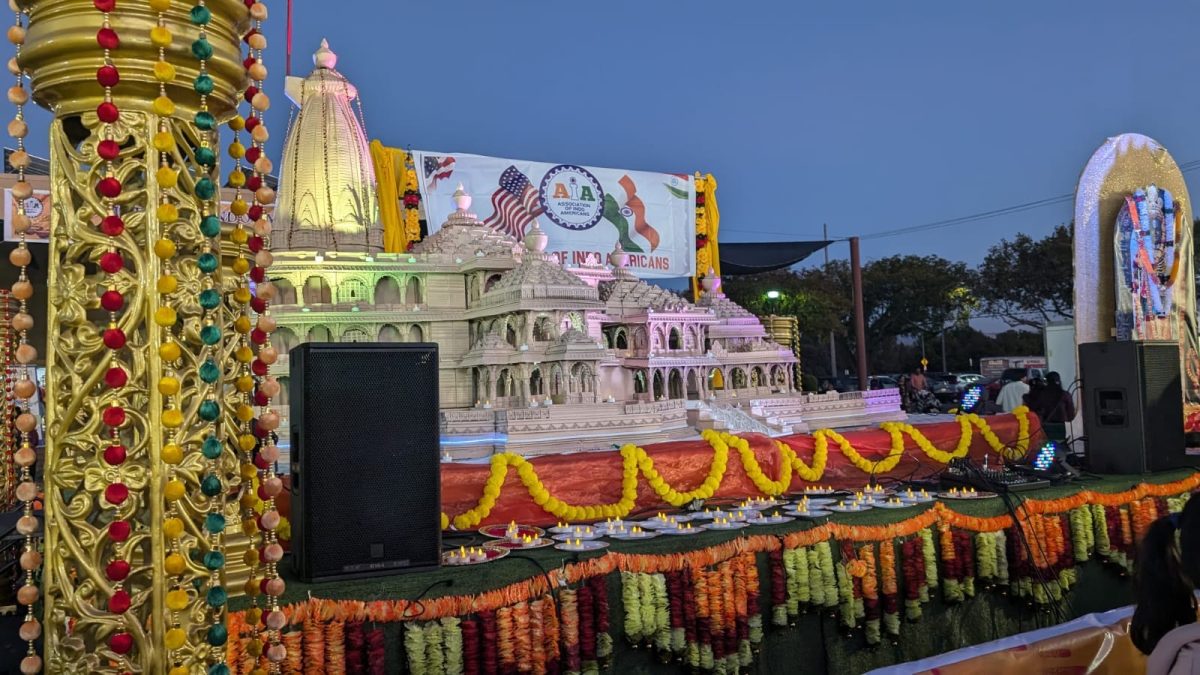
x=867, y=116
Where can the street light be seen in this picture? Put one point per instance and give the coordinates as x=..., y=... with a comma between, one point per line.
x=772, y=295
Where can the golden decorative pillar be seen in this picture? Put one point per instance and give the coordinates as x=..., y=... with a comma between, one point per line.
x=85, y=517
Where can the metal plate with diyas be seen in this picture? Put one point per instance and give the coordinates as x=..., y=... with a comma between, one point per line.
x=774, y=519
x=726, y=525
x=852, y=507
x=900, y=504
x=500, y=531
x=634, y=536
x=678, y=532
x=810, y=515
x=519, y=546
x=451, y=559
x=591, y=545
x=966, y=495
x=590, y=535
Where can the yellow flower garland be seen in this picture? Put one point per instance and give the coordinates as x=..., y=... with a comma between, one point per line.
x=863, y=464
x=635, y=460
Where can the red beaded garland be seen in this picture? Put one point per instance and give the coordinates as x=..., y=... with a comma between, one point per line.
x=107, y=38
x=117, y=570
x=108, y=149
x=120, y=643
x=258, y=336
x=108, y=112
x=250, y=92
x=253, y=153
x=116, y=493
x=254, y=213
x=112, y=225
x=118, y=530
x=112, y=301
x=111, y=262
x=258, y=304
x=114, y=416
x=107, y=76
x=114, y=338
x=105, y=5
x=253, y=182
x=115, y=454
x=109, y=187
x=116, y=378
x=119, y=602
x=258, y=275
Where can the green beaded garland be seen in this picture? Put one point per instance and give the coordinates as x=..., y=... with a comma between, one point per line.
x=218, y=668
x=217, y=597
x=209, y=411
x=207, y=262
x=209, y=372
x=211, y=447
x=214, y=523
x=214, y=560
x=210, y=226
x=209, y=298
x=210, y=335
x=200, y=15
x=205, y=188
x=203, y=84
x=205, y=121
x=202, y=49
x=217, y=635
x=206, y=157
x=210, y=486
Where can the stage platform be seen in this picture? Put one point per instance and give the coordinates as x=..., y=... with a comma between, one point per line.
x=816, y=638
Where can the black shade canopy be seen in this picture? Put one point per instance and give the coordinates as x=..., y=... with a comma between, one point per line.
x=765, y=257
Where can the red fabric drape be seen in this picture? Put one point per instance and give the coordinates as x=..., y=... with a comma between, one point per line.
x=595, y=477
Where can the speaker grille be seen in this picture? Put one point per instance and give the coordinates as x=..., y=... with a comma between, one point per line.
x=367, y=449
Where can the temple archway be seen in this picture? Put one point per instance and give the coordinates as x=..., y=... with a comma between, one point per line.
x=415, y=334
x=352, y=290
x=285, y=292
x=510, y=335
x=537, y=386
x=355, y=335
x=621, y=340
x=491, y=281
x=716, y=380
x=675, y=384
x=675, y=340
x=757, y=377
x=283, y=339
x=319, y=334
x=387, y=291
x=412, y=291
x=284, y=397
x=658, y=385
x=639, y=382
x=556, y=381
x=317, y=291
x=693, y=385
x=738, y=378
x=542, y=331
x=503, y=384
x=389, y=333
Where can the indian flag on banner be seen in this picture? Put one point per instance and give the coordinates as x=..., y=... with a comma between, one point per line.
x=624, y=208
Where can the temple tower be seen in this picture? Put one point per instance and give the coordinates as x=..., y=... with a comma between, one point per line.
x=327, y=182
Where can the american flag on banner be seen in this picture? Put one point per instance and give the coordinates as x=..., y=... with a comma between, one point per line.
x=437, y=168
x=515, y=204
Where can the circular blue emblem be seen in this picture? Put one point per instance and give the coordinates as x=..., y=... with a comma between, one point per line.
x=571, y=197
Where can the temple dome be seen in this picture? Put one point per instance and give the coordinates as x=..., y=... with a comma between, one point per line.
x=464, y=236
x=327, y=196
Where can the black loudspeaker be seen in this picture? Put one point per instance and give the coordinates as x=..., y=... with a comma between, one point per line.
x=1133, y=406
x=366, y=460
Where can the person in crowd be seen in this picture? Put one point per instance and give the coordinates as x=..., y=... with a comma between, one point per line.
x=1013, y=394
x=917, y=380
x=1164, y=620
x=1051, y=402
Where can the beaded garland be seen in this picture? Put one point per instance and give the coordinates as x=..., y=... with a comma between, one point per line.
x=269, y=485
x=210, y=373
x=24, y=389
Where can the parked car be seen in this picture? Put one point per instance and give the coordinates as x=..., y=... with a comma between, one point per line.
x=883, y=382
x=944, y=386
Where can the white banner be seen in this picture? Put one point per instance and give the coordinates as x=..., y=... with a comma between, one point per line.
x=585, y=211
x=37, y=208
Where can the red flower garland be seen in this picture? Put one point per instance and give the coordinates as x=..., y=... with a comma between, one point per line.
x=356, y=641
x=470, y=639
x=587, y=624
x=489, y=645
x=778, y=578
x=376, y=652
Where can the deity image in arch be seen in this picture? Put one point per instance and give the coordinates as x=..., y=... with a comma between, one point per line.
x=1147, y=266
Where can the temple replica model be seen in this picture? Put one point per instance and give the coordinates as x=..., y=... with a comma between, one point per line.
x=535, y=357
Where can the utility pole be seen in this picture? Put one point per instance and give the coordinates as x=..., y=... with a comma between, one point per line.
x=944, y=368
x=833, y=371
x=860, y=321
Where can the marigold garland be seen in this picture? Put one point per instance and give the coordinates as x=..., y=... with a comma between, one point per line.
x=635, y=460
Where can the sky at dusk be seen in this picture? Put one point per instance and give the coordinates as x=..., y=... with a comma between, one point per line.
x=868, y=116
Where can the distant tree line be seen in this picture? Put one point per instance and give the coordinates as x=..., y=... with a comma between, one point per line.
x=912, y=300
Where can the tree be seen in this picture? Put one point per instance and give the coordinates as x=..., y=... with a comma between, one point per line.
x=1028, y=282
